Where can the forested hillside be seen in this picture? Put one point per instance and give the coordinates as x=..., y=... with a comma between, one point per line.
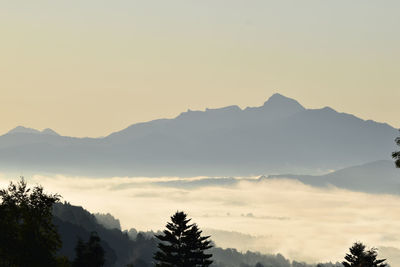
x=121, y=248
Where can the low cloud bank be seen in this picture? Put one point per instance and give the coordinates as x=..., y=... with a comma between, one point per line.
x=271, y=216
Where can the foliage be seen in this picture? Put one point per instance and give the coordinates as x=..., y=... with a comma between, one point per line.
x=182, y=244
x=28, y=236
x=359, y=257
x=396, y=154
x=89, y=254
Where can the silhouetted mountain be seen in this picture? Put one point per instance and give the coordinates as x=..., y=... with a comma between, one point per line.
x=25, y=130
x=375, y=177
x=49, y=132
x=75, y=222
x=22, y=129
x=280, y=136
x=70, y=233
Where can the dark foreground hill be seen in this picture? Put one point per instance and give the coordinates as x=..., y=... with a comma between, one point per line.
x=121, y=249
x=74, y=222
x=279, y=137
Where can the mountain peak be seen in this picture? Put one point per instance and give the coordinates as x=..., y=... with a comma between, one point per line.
x=49, y=132
x=280, y=101
x=26, y=130
x=22, y=129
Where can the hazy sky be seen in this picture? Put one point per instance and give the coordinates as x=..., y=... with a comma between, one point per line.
x=88, y=68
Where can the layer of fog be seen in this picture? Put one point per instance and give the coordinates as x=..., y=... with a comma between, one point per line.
x=271, y=216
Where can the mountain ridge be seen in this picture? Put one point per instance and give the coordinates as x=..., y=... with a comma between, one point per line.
x=25, y=130
x=373, y=177
x=274, y=99
x=279, y=136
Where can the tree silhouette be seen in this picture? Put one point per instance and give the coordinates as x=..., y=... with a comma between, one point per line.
x=28, y=236
x=359, y=257
x=182, y=244
x=396, y=154
x=89, y=254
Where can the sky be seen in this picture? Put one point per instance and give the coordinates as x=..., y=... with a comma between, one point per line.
x=89, y=68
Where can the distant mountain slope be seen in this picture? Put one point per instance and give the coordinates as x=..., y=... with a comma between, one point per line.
x=375, y=177
x=75, y=222
x=280, y=136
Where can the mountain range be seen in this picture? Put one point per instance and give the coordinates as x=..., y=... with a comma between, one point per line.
x=280, y=136
x=379, y=177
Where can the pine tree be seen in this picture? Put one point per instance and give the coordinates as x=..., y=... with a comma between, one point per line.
x=359, y=257
x=195, y=247
x=182, y=244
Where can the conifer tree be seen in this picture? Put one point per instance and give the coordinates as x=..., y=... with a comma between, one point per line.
x=359, y=257
x=182, y=244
